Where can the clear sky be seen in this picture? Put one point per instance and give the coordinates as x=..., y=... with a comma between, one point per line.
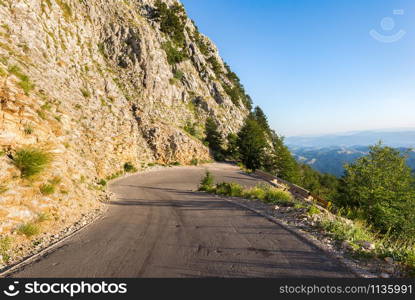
x=313, y=65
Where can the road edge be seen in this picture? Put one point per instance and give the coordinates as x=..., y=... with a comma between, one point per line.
x=353, y=267
x=51, y=247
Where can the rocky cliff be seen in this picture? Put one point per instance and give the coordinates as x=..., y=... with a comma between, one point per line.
x=95, y=85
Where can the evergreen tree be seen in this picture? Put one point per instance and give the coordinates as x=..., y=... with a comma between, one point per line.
x=252, y=144
x=262, y=119
x=232, y=151
x=214, y=138
x=284, y=164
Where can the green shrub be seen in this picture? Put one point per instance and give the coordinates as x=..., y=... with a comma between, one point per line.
x=201, y=44
x=207, y=182
x=29, y=229
x=313, y=210
x=31, y=161
x=102, y=182
x=129, y=167
x=275, y=196
x=216, y=66
x=382, y=186
x=229, y=189
x=190, y=128
x=177, y=74
x=174, y=55
x=342, y=231
x=172, y=21
x=47, y=189
x=257, y=192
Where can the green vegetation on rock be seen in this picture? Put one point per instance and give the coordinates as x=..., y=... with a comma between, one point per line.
x=31, y=161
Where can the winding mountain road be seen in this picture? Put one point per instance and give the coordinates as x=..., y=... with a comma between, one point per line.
x=160, y=227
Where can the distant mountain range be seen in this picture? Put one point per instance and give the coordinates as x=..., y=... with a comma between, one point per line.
x=395, y=139
x=329, y=153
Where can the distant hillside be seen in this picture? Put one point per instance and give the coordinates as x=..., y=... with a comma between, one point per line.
x=395, y=139
x=331, y=159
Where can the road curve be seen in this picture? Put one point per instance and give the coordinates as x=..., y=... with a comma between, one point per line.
x=160, y=227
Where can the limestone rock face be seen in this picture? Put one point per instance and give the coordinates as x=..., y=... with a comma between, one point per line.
x=89, y=82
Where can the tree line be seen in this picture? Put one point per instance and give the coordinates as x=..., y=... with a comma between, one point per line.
x=378, y=188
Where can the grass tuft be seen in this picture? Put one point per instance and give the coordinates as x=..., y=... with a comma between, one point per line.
x=29, y=229
x=47, y=189
x=5, y=243
x=31, y=161
x=24, y=82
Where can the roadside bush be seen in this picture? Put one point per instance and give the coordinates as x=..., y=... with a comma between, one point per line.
x=31, y=161
x=313, y=210
x=255, y=193
x=129, y=167
x=342, y=231
x=229, y=189
x=207, y=182
x=102, y=182
x=275, y=196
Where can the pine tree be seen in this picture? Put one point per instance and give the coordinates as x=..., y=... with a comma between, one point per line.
x=252, y=144
x=284, y=164
x=214, y=138
x=232, y=151
x=262, y=119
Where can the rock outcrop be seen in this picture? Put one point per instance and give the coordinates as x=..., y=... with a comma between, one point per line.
x=97, y=84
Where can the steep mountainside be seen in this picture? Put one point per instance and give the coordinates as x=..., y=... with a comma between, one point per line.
x=94, y=85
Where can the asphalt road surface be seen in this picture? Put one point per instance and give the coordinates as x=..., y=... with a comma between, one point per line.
x=161, y=227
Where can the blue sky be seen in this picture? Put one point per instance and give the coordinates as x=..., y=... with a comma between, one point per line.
x=313, y=66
